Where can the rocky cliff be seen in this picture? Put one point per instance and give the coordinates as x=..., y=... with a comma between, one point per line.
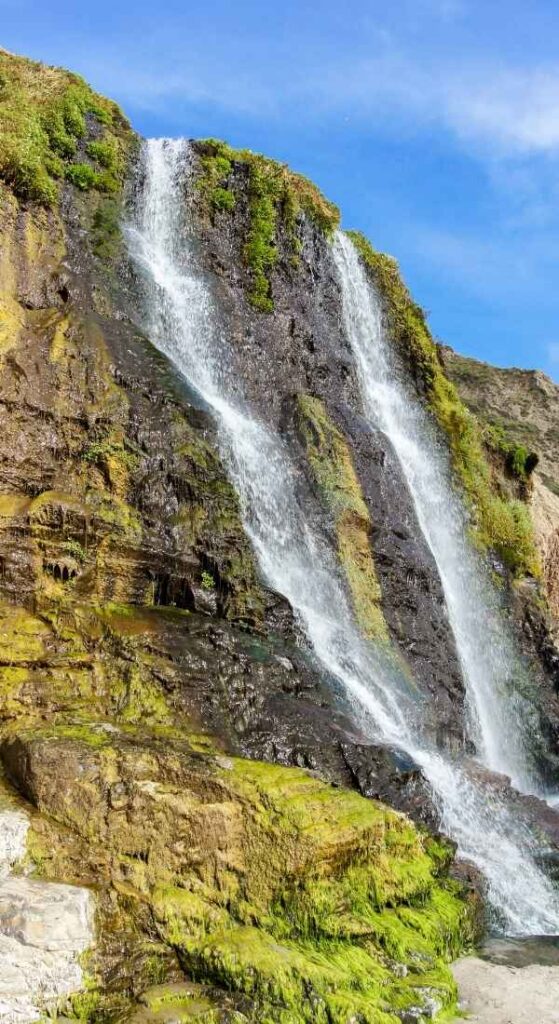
x=519, y=410
x=162, y=727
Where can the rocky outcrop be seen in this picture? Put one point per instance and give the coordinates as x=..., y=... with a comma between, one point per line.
x=206, y=865
x=44, y=927
x=142, y=661
x=519, y=408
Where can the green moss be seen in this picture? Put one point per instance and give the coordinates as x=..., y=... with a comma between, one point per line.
x=105, y=153
x=105, y=230
x=84, y=1006
x=337, y=912
x=43, y=113
x=103, y=451
x=519, y=461
x=277, y=197
x=499, y=523
x=207, y=580
x=301, y=901
x=83, y=176
x=142, y=700
x=92, y=733
x=181, y=1003
x=22, y=636
x=223, y=199
x=75, y=550
x=330, y=460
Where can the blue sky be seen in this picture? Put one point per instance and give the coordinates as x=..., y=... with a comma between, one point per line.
x=434, y=124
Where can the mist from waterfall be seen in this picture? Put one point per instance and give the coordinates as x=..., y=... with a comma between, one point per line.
x=295, y=560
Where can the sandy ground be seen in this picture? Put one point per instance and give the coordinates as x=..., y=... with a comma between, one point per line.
x=497, y=994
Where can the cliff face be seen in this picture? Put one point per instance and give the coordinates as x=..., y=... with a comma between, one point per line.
x=520, y=406
x=298, y=369
x=146, y=671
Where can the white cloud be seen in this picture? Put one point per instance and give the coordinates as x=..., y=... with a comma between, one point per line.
x=513, y=110
x=510, y=111
x=490, y=106
x=553, y=352
x=492, y=269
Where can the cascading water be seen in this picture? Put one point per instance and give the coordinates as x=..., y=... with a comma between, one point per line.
x=295, y=560
x=498, y=715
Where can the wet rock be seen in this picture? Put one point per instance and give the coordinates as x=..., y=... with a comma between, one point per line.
x=44, y=928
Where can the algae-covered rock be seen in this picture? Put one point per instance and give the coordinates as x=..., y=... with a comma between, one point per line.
x=329, y=455
x=311, y=901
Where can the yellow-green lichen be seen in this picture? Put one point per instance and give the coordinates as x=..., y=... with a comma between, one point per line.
x=339, y=913
x=330, y=460
x=302, y=901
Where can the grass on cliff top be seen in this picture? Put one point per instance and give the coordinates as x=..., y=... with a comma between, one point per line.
x=43, y=114
x=499, y=523
x=277, y=197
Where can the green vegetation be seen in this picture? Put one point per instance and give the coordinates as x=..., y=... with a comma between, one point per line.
x=499, y=523
x=83, y=176
x=519, y=461
x=208, y=582
x=43, y=120
x=330, y=460
x=293, y=900
x=336, y=895
x=277, y=198
x=104, y=153
x=75, y=550
x=105, y=228
x=313, y=902
x=104, y=451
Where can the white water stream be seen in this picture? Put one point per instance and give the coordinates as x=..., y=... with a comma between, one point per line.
x=183, y=322
x=498, y=716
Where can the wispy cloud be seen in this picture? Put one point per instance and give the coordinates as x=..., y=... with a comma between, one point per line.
x=489, y=104
x=553, y=352
x=513, y=110
x=491, y=269
x=506, y=110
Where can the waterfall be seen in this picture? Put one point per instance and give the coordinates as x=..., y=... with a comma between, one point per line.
x=183, y=322
x=498, y=715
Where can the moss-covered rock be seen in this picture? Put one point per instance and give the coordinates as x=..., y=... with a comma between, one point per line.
x=228, y=890
x=95, y=509
x=277, y=199
x=312, y=902
x=330, y=460
x=44, y=114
